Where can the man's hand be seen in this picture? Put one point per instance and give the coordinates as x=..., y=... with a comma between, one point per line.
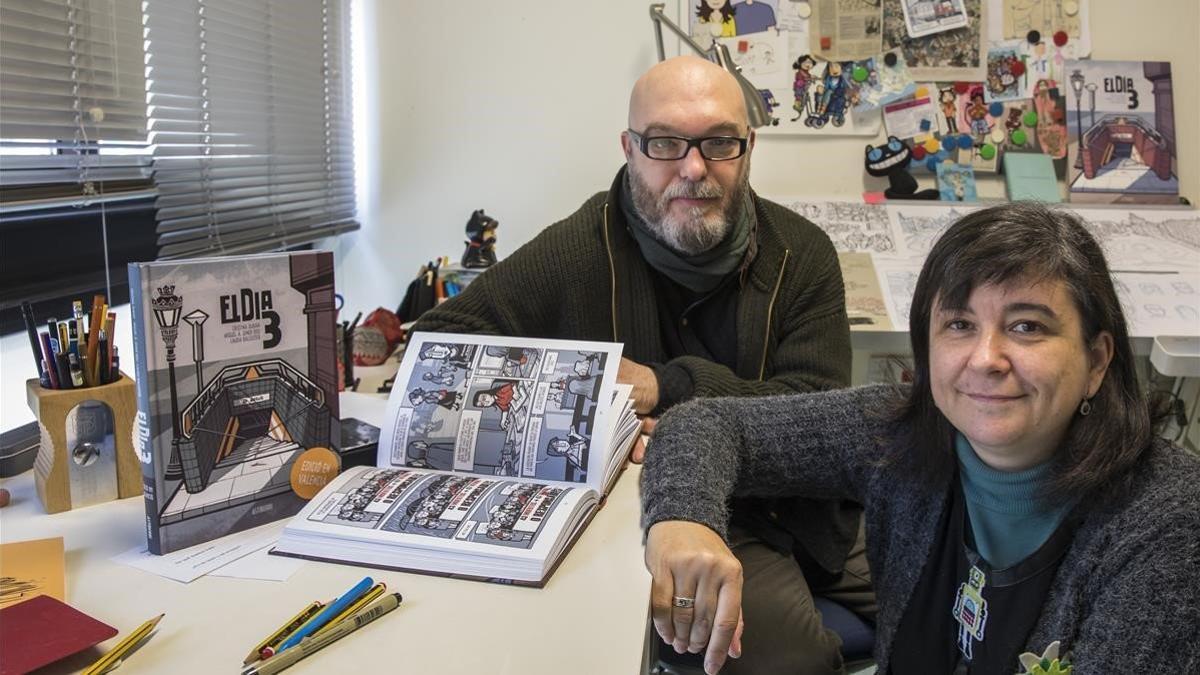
x=643, y=440
x=645, y=385
x=689, y=561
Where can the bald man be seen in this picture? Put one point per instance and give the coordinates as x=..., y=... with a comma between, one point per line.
x=714, y=292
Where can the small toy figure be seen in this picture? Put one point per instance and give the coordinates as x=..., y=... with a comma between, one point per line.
x=977, y=113
x=804, y=77
x=1014, y=119
x=481, y=241
x=830, y=97
x=946, y=99
x=890, y=159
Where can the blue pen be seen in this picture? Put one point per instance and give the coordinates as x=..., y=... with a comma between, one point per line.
x=331, y=610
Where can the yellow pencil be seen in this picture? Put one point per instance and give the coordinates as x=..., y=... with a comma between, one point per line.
x=283, y=631
x=123, y=647
x=354, y=608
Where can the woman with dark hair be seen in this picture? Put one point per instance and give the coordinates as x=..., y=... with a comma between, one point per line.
x=1019, y=508
x=718, y=16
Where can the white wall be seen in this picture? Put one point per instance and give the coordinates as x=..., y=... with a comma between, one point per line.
x=516, y=108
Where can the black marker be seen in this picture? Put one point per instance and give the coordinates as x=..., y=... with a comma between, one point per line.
x=31, y=329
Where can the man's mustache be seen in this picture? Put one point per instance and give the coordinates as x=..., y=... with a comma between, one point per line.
x=689, y=190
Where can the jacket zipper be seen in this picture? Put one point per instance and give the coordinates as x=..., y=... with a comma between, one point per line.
x=762, y=368
x=612, y=274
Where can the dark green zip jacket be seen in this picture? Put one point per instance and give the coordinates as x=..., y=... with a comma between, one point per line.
x=584, y=278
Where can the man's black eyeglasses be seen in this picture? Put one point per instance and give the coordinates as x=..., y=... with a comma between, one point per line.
x=712, y=148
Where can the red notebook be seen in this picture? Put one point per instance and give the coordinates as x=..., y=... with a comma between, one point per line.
x=42, y=630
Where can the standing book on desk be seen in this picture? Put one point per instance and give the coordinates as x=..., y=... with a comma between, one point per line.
x=237, y=389
x=1121, y=132
x=495, y=453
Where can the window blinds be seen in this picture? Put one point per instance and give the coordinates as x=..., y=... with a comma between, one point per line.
x=250, y=120
x=72, y=77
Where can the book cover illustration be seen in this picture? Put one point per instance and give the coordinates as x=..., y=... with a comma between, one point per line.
x=499, y=409
x=446, y=506
x=1121, y=132
x=237, y=381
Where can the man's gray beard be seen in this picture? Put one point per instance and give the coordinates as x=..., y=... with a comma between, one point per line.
x=696, y=233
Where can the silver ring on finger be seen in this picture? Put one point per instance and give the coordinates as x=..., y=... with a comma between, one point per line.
x=682, y=602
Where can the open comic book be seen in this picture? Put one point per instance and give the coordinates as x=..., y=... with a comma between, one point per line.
x=494, y=455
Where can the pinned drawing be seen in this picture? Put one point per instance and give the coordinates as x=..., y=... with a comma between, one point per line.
x=851, y=226
x=1159, y=303
x=1147, y=240
x=919, y=226
x=865, y=305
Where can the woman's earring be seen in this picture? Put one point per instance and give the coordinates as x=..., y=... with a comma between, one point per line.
x=1085, y=408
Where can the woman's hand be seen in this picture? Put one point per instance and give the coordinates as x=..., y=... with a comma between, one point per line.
x=691, y=565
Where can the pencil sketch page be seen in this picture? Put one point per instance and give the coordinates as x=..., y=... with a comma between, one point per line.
x=1045, y=16
x=899, y=280
x=851, y=226
x=1146, y=240
x=918, y=226
x=1160, y=304
x=865, y=305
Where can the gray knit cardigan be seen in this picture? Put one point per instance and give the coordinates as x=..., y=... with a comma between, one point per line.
x=1125, y=599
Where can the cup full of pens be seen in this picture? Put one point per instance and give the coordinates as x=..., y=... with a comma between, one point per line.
x=85, y=408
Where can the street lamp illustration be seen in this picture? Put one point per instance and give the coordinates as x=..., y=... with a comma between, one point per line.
x=1091, y=87
x=196, y=320
x=166, y=314
x=1077, y=87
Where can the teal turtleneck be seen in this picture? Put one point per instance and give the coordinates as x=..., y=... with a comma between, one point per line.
x=1010, y=515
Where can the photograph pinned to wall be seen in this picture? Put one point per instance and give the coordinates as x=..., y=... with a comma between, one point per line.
x=709, y=20
x=956, y=182
x=1005, y=71
x=974, y=115
x=927, y=17
x=845, y=30
x=950, y=55
x=873, y=82
x=1121, y=132
x=818, y=102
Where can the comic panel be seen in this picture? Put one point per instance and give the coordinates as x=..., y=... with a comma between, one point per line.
x=366, y=500
x=513, y=515
x=500, y=410
x=438, y=507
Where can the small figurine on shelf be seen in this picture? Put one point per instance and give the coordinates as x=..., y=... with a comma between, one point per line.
x=481, y=241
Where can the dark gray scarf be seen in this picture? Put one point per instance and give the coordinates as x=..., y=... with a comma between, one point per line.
x=702, y=272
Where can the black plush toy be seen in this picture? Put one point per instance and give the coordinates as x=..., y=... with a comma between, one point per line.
x=891, y=159
x=481, y=241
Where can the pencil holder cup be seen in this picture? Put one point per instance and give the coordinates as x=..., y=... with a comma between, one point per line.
x=86, y=454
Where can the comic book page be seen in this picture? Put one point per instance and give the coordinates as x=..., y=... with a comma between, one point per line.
x=449, y=507
x=496, y=406
x=949, y=55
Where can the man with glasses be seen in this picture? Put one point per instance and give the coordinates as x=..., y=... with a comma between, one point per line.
x=714, y=292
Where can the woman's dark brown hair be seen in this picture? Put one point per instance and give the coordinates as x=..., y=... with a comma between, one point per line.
x=1029, y=243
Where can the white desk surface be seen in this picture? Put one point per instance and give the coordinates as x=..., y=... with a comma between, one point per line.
x=590, y=617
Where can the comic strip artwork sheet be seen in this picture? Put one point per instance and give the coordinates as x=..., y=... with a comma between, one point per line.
x=462, y=508
x=1153, y=255
x=502, y=407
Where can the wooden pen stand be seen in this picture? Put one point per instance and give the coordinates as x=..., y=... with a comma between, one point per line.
x=86, y=454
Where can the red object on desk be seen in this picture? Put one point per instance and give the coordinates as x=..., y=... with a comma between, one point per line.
x=42, y=630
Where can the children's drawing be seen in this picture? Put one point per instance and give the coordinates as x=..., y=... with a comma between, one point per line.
x=763, y=58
